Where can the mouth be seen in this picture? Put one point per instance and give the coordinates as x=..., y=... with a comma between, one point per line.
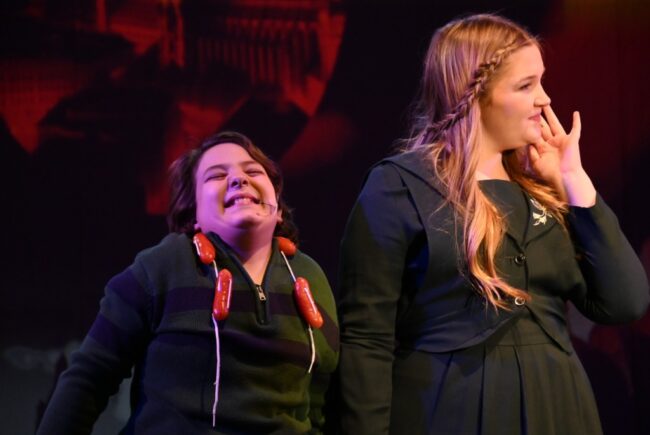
x=241, y=199
x=536, y=118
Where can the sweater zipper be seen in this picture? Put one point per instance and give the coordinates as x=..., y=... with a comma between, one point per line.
x=261, y=306
x=260, y=293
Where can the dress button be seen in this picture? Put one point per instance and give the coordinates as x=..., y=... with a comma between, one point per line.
x=520, y=259
x=519, y=301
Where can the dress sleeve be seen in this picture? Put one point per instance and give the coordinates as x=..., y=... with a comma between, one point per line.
x=107, y=354
x=373, y=255
x=617, y=286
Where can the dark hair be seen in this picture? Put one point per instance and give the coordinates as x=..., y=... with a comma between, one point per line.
x=181, y=216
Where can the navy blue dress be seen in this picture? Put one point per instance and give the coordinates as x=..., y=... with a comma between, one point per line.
x=519, y=381
x=421, y=353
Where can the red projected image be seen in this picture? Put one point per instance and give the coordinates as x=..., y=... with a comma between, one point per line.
x=203, y=66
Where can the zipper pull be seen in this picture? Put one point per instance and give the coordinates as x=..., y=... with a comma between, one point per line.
x=260, y=293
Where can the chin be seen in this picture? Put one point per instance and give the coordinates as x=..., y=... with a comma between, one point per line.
x=515, y=146
x=246, y=223
x=534, y=136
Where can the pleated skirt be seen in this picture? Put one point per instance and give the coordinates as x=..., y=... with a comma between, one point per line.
x=517, y=382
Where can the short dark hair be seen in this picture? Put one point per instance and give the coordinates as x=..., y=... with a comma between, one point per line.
x=181, y=216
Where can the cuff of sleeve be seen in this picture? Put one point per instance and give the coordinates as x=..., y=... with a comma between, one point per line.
x=595, y=212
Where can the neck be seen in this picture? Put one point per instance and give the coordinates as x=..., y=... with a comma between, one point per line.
x=490, y=166
x=253, y=251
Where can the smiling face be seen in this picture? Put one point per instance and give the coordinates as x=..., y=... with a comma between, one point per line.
x=234, y=194
x=511, y=112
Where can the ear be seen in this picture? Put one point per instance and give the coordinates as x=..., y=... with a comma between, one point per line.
x=279, y=212
x=197, y=227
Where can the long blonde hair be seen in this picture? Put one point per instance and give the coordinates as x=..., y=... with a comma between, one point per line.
x=462, y=58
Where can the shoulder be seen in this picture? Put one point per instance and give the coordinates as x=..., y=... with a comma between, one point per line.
x=416, y=163
x=411, y=169
x=391, y=167
x=308, y=266
x=173, y=252
x=383, y=179
x=156, y=269
x=408, y=176
x=408, y=160
x=170, y=246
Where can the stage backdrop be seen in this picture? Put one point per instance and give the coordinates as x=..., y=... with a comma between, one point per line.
x=98, y=97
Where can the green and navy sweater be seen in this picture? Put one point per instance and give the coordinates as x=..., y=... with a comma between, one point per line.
x=155, y=318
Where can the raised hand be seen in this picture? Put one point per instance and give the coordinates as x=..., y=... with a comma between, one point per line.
x=556, y=159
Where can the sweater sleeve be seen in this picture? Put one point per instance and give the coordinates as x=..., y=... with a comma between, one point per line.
x=106, y=356
x=373, y=255
x=617, y=286
x=327, y=343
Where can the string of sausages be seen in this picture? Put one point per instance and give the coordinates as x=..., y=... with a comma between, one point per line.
x=223, y=292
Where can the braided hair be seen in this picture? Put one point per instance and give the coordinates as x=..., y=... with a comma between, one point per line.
x=475, y=90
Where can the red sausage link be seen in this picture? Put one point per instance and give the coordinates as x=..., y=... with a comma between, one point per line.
x=306, y=303
x=222, y=293
x=286, y=246
x=204, y=248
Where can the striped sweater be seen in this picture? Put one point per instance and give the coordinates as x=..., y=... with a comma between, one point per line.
x=155, y=318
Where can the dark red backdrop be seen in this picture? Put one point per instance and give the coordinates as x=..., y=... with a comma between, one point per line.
x=98, y=97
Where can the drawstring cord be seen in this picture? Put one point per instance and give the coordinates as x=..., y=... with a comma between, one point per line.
x=218, y=358
x=312, y=344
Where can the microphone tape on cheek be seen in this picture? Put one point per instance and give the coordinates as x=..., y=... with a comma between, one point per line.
x=272, y=208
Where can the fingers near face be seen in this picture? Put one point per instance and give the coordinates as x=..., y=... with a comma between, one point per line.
x=546, y=130
x=553, y=122
x=533, y=154
x=576, y=128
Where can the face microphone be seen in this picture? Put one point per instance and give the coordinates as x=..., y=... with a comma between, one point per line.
x=272, y=207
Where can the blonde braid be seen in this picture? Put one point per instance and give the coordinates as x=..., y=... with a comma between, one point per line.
x=474, y=90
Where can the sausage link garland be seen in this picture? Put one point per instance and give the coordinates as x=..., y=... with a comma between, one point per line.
x=223, y=291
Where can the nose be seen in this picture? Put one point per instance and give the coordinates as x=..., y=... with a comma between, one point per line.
x=237, y=181
x=542, y=99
